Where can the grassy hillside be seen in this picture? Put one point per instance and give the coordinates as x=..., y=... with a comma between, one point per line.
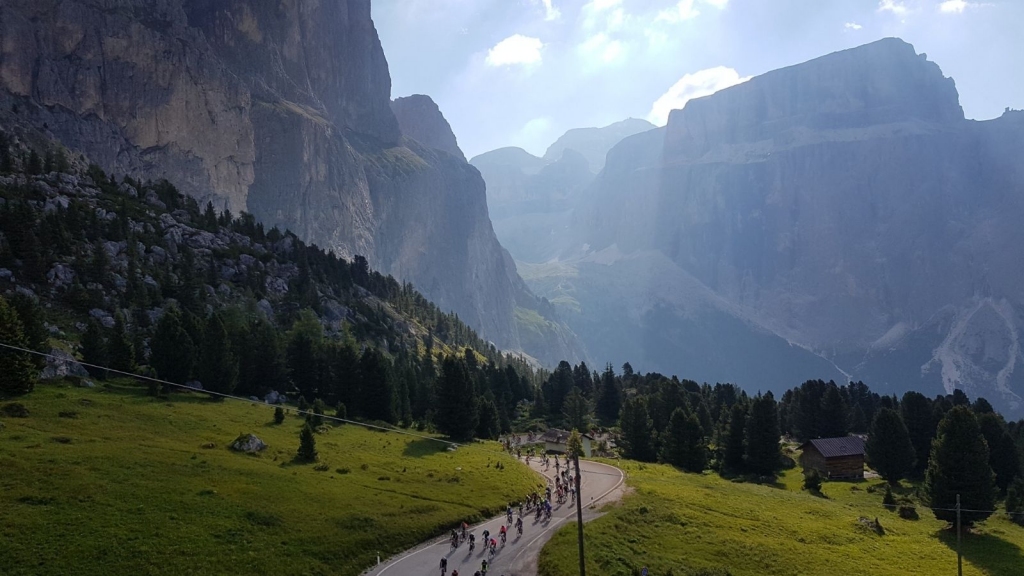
x=687, y=522
x=111, y=481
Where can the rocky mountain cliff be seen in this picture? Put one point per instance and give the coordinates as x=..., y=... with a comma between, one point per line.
x=843, y=206
x=278, y=108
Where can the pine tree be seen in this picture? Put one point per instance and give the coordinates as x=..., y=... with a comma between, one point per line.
x=609, y=397
x=17, y=372
x=94, y=349
x=1015, y=501
x=959, y=464
x=1003, y=454
x=307, y=445
x=217, y=368
x=377, y=397
x=488, y=426
x=858, y=421
x=173, y=355
x=457, y=413
x=278, y=415
x=917, y=414
x=576, y=410
x=305, y=341
x=120, y=348
x=889, y=449
x=32, y=318
x=684, y=442
x=763, y=453
x=637, y=439
x=834, y=415
x=316, y=418
x=734, y=448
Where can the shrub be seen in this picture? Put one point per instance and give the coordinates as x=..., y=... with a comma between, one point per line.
x=889, y=501
x=322, y=467
x=812, y=480
x=15, y=410
x=68, y=414
x=278, y=415
x=342, y=470
x=307, y=445
x=340, y=411
x=907, y=512
x=303, y=404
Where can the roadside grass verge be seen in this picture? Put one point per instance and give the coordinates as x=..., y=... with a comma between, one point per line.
x=140, y=485
x=681, y=524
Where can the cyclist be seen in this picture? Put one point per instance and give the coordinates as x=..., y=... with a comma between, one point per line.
x=472, y=542
x=465, y=528
x=483, y=567
x=503, y=533
x=444, y=565
x=487, y=535
x=508, y=514
x=519, y=526
x=494, y=546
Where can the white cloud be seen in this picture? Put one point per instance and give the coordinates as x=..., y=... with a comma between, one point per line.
x=895, y=6
x=551, y=12
x=516, y=49
x=687, y=10
x=690, y=86
x=601, y=48
x=852, y=26
x=956, y=6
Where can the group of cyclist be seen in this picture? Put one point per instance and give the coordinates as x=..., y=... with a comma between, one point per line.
x=539, y=503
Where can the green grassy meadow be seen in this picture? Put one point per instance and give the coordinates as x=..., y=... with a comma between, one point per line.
x=688, y=522
x=121, y=483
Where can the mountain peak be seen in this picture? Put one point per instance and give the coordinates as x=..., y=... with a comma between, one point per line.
x=878, y=83
x=421, y=119
x=594, y=143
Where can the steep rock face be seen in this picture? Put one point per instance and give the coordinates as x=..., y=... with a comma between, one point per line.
x=420, y=119
x=846, y=206
x=532, y=199
x=281, y=108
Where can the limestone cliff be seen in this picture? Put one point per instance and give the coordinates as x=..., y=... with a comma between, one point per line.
x=281, y=108
x=421, y=119
x=844, y=205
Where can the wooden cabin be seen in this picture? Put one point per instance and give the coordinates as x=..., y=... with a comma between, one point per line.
x=835, y=458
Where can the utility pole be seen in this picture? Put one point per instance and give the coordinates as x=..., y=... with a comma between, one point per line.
x=959, y=557
x=575, y=446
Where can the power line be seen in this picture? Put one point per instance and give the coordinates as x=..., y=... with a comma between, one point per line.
x=230, y=396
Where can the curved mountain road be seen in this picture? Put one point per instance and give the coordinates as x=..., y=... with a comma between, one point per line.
x=518, y=557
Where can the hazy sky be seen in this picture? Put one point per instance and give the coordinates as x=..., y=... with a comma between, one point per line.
x=522, y=72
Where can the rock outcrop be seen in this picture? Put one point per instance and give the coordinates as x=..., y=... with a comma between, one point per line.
x=279, y=108
x=843, y=205
x=420, y=119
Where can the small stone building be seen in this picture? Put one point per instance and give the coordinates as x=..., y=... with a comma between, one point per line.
x=555, y=441
x=839, y=458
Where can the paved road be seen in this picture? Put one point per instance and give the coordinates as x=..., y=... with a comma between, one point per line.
x=518, y=557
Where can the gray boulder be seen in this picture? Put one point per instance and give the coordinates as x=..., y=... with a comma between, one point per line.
x=249, y=444
x=103, y=317
x=60, y=276
x=60, y=364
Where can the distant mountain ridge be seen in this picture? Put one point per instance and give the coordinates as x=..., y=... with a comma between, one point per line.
x=530, y=198
x=843, y=206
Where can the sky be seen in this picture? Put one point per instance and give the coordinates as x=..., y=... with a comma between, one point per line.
x=522, y=72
